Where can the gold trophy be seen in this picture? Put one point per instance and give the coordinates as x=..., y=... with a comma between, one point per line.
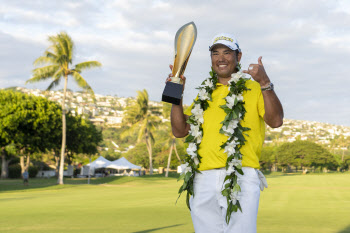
x=184, y=41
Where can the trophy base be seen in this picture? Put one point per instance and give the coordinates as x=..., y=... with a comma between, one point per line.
x=172, y=93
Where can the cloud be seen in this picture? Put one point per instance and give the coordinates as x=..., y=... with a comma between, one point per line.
x=304, y=44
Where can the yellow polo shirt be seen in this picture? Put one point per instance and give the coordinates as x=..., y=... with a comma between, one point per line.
x=209, y=149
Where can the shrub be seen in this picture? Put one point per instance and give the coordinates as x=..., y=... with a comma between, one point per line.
x=33, y=171
x=14, y=171
x=76, y=172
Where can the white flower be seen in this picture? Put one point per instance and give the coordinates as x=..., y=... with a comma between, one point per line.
x=234, y=196
x=240, y=97
x=200, y=119
x=194, y=131
x=235, y=162
x=230, y=101
x=229, y=130
x=230, y=148
x=233, y=124
x=203, y=94
x=185, y=168
x=199, y=139
x=235, y=77
x=196, y=161
x=192, y=147
x=208, y=83
x=229, y=170
x=197, y=111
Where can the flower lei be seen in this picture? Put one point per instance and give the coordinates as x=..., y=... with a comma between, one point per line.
x=231, y=127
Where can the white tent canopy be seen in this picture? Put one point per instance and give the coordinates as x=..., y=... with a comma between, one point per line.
x=122, y=163
x=100, y=162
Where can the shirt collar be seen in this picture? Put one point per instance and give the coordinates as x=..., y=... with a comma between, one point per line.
x=220, y=84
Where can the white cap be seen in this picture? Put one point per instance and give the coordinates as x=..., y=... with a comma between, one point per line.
x=225, y=39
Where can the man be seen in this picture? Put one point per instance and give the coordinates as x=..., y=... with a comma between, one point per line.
x=208, y=205
x=25, y=175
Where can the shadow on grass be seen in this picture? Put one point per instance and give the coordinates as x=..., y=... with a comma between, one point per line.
x=38, y=183
x=156, y=229
x=345, y=230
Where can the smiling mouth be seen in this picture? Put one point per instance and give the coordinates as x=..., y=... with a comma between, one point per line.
x=220, y=66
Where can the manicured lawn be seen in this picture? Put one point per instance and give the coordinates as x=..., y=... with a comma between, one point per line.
x=292, y=203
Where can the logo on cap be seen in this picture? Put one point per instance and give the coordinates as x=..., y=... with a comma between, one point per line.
x=222, y=38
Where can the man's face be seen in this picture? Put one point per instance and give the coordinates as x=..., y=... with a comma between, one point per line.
x=224, y=60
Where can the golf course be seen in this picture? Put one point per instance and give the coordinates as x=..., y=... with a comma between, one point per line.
x=312, y=203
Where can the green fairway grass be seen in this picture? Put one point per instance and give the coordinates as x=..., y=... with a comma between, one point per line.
x=292, y=203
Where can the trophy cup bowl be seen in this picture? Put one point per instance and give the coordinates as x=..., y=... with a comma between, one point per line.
x=185, y=39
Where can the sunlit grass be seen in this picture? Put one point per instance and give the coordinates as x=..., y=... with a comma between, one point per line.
x=292, y=203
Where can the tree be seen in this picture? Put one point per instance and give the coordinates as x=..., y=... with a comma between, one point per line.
x=141, y=120
x=304, y=154
x=342, y=143
x=59, y=56
x=28, y=122
x=171, y=141
x=82, y=136
x=267, y=158
x=7, y=155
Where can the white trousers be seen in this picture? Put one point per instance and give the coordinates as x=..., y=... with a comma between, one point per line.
x=208, y=206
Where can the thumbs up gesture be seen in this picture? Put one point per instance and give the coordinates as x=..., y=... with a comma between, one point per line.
x=257, y=71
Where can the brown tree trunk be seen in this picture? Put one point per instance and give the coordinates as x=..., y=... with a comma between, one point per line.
x=149, y=148
x=177, y=155
x=169, y=159
x=4, y=164
x=63, y=148
x=57, y=163
x=25, y=166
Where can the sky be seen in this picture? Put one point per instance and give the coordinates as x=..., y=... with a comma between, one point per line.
x=305, y=45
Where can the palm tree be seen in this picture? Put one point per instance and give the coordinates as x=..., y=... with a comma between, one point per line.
x=141, y=120
x=171, y=141
x=58, y=59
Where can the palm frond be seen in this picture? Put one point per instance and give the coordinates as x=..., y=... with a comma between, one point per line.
x=59, y=73
x=50, y=55
x=54, y=83
x=132, y=114
x=43, y=73
x=153, y=121
x=56, y=79
x=142, y=130
x=130, y=131
x=68, y=45
x=56, y=46
x=43, y=60
x=142, y=100
x=82, y=82
x=87, y=65
x=62, y=46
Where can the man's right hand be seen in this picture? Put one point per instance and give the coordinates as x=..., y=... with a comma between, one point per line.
x=183, y=78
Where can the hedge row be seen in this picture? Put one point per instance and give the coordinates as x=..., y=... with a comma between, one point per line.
x=15, y=171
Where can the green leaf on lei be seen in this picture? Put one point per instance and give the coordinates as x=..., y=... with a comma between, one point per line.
x=189, y=138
